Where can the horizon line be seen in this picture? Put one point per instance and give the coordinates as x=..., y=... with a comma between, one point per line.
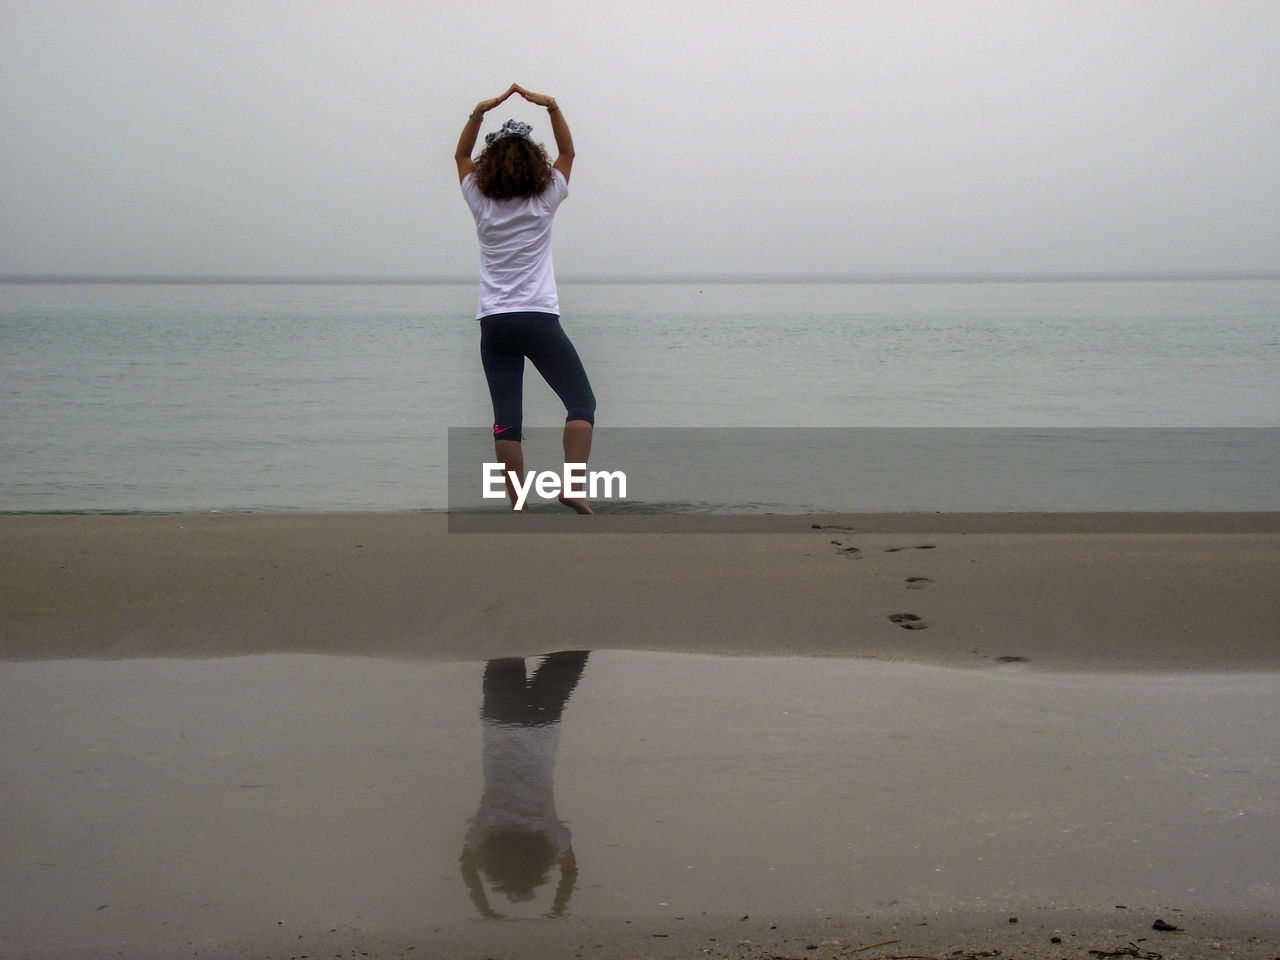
x=1031, y=276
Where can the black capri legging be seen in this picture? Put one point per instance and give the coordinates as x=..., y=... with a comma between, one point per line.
x=505, y=340
x=513, y=699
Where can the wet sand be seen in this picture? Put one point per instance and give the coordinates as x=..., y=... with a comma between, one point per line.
x=184, y=776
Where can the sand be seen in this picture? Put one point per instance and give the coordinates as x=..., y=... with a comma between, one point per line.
x=1147, y=600
x=1107, y=592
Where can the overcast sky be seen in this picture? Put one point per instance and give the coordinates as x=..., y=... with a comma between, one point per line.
x=315, y=137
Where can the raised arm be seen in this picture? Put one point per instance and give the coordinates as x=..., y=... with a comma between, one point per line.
x=559, y=128
x=471, y=130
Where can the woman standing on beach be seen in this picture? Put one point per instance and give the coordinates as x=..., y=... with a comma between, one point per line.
x=513, y=190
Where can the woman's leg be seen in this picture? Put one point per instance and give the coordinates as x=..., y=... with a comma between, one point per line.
x=504, y=370
x=577, y=447
x=554, y=681
x=554, y=356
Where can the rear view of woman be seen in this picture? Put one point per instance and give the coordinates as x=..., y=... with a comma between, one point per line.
x=514, y=190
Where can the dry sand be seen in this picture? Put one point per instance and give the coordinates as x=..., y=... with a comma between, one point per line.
x=1160, y=593
x=1104, y=592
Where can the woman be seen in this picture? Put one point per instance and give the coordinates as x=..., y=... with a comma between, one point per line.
x=513, y=190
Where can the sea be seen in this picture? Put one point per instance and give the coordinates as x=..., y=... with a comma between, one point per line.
x=773, y=395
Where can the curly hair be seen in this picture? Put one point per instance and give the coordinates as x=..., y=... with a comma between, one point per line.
x=512, y=167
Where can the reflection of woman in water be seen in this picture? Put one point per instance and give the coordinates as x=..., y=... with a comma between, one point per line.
x=515, y=838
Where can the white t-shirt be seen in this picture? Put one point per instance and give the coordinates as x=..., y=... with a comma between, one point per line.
x=519, y=789
x=516, y=273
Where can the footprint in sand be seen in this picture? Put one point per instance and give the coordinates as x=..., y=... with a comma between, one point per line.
x=922, y=546
x=847, y=551
x=907, y=621
x=918, y=583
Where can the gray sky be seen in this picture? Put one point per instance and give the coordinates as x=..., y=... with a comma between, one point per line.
x=315, y=137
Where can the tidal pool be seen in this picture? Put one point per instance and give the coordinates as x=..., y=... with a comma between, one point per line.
x=164, y=803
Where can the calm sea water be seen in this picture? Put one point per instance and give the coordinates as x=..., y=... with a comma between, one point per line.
x=167, y=397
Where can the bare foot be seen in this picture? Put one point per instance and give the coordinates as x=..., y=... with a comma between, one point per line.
x=577, y=506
